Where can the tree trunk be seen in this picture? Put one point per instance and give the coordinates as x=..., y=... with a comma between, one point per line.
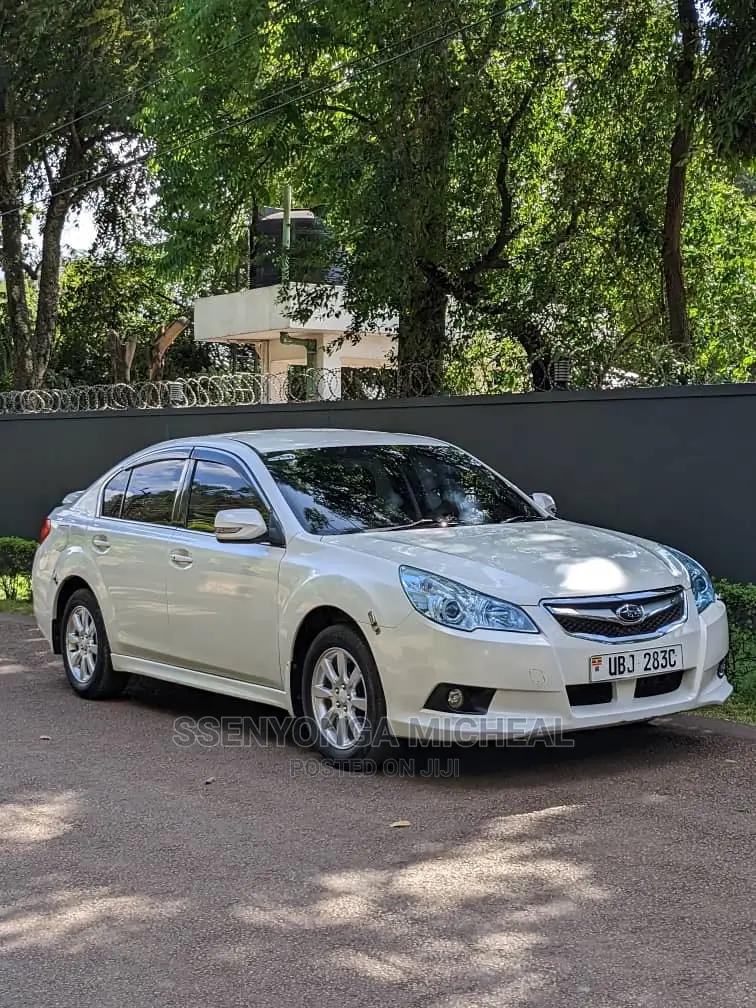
x=680, y=149
x=539, y=356
x=49, y=289
x=427, y=150
x=19, y=317
x=121, y=356
x=422, y=340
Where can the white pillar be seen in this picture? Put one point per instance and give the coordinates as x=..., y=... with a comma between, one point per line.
x=329, y=368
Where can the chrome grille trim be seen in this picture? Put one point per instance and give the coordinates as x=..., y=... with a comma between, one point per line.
x=595, y=612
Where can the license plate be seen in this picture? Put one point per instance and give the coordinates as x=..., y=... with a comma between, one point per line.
x=631, y=664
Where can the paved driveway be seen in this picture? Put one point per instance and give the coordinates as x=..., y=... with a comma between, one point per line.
x=137, y=872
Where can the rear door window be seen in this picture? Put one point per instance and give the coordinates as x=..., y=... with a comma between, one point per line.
x=151, y=492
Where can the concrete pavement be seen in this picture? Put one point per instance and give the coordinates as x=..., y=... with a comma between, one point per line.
x=136, y=871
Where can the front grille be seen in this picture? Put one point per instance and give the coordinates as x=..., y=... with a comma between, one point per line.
x=588, y=627
x=598, y=619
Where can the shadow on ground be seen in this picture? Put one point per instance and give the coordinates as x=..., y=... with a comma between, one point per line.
x=132, y=870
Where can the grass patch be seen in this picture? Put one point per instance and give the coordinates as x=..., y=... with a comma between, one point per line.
x=16, y=606
x=734, y=709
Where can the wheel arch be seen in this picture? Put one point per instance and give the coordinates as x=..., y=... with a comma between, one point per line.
x=67, y=588
x=316, y=620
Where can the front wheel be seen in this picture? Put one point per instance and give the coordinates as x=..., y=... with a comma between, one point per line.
x=343, y=699
x=86, y=652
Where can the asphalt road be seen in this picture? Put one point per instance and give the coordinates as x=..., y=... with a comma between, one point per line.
x=136, y=871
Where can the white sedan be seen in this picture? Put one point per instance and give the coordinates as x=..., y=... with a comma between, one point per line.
x=375, y=586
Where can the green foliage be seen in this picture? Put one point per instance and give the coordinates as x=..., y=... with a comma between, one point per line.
x=740, y=600
x=16, y=558
x=515, y=172
x=83, y=60
x=71, y=81
x=729, y=87
x=501, y=190
x=720, y=253
x=126, y=292
x=486, y=363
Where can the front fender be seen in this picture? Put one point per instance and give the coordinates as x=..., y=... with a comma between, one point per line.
x=370, y=603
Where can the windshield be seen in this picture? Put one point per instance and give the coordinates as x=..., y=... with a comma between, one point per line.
x=366, y=488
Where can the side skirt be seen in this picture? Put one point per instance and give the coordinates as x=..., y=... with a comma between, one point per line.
x=203, y=680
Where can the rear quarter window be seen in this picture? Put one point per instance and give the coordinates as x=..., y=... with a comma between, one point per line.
x=113, y=495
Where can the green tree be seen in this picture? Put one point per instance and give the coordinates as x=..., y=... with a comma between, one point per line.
x=70, y=76
x=113, y=310
x=490, y=169
x=729, y=85
x=714, y=59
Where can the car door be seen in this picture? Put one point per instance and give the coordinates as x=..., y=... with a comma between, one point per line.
x=131, y=542
x=223, y=596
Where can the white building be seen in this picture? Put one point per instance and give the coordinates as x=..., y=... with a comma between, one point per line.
x=256, y=316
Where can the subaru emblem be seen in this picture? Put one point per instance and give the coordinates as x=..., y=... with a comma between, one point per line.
x=630, y=612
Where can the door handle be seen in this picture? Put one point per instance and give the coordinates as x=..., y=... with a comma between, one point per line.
x=101, y=543
x=180, y=558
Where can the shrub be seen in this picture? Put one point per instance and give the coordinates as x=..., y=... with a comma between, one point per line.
x=740, y=600
x=16, y=558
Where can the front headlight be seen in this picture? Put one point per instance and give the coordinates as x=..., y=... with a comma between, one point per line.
x=454, y=605
x=700, y=582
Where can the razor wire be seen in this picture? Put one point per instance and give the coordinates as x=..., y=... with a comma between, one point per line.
x=238, y=389
x=301, y=384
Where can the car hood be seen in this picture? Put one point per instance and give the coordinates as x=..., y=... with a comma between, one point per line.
x=529, y=561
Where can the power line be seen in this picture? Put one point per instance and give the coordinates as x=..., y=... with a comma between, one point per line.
x=345, y=64
x=291, y=101
x=289, y=87
x=154, y=83
x=140, y=90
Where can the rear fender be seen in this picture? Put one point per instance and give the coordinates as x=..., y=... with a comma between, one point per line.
x=74, y=562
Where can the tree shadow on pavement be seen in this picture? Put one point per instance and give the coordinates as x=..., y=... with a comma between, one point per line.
x=134, y=871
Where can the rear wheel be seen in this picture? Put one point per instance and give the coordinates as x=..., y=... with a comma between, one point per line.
x=86, y=652
x=343, y=699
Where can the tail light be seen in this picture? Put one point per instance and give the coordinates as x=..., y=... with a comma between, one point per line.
x=45, y=530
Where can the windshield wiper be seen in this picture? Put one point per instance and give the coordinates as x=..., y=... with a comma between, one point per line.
x=521, y=518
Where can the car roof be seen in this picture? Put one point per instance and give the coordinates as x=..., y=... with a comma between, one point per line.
x=283, y=439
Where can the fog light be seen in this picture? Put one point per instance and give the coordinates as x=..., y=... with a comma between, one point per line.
x=463, y=699
x=455, y=698
x=722, y=668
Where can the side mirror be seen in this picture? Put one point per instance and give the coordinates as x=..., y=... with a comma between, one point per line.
x=240, y=525
x=546, y=503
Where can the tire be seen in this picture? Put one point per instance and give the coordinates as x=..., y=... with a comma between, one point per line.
x=348, y=727
x=86, y=651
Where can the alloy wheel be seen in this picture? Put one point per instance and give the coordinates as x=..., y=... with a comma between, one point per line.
x=81, y=644
x=339, y=698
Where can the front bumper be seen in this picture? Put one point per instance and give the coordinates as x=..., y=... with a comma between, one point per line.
x=530, y=676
